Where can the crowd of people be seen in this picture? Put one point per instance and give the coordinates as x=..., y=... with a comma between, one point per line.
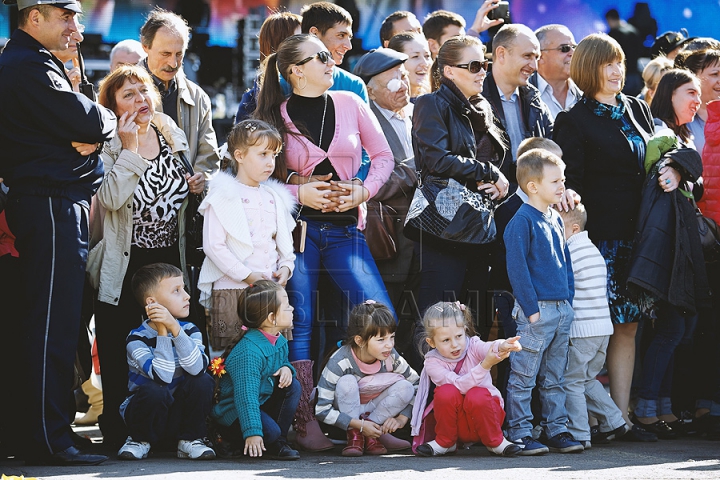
x=443, y=187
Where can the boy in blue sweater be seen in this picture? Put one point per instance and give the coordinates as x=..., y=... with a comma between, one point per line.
x=170, y=391
x=540, y=271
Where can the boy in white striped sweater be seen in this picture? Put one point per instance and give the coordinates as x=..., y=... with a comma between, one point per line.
x=589, y=335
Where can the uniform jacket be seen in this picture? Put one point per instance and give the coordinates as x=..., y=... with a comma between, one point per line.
x=109, y=257
x=40, y=115
x=710, y=202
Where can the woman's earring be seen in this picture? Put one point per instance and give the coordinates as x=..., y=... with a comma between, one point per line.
x=304, y=85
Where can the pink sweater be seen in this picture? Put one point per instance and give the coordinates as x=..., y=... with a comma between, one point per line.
x=355, y=127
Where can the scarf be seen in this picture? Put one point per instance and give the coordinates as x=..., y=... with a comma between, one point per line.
x=627, y=127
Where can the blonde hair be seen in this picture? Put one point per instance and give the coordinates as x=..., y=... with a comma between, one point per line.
x=591, y=54
x=531, y=166
x=443, y=314
x=576, y=216
x=652, y=73
x=532, y=143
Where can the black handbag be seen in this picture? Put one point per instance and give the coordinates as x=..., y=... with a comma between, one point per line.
x=194, y=254
x=709, y=236
x=446, y=209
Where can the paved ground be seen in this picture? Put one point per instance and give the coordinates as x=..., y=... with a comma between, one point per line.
x=675, y=459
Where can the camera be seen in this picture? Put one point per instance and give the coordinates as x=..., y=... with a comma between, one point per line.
x=501, y=11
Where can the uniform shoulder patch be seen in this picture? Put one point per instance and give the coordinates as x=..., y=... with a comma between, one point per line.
x=58, y=81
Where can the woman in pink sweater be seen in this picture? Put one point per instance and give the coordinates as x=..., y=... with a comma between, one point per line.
x=324, y=134
x=467, y=406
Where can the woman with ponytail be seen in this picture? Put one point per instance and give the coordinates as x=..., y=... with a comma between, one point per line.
x=324, y=134
x=258, y=395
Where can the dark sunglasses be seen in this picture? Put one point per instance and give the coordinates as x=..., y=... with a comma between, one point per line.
x=564, y=48
x=322, y=55
x=475, y=66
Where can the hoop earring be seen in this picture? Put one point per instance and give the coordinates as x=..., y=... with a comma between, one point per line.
x=305, y=85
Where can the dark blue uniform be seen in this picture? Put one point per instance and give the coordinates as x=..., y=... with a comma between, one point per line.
x=50, y=189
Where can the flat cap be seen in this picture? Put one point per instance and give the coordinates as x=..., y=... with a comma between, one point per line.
x=71, y=5
x=377, y=61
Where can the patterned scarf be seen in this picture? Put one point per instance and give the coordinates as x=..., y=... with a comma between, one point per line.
x=627, y=127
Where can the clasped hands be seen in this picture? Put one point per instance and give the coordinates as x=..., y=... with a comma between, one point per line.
x=321, y=193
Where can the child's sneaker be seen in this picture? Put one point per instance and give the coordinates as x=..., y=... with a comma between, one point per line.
x=530, y=446
x=133, y=450
x=432, y=449
x=506, y=449
x=194, y=450
x=564, y=443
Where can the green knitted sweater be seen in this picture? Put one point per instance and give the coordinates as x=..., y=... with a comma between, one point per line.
x=249, y=381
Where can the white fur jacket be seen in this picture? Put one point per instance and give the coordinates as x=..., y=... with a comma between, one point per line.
x=224, y=196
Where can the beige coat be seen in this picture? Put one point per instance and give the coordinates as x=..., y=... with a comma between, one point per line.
x=195, y=119
x=110, y=255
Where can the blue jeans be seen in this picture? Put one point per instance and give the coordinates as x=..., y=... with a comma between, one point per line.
x=544, y=356
x=278, y=412
x=343, y=253
x=656, y=380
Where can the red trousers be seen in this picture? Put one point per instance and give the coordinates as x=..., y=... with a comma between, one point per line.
x=476, y=416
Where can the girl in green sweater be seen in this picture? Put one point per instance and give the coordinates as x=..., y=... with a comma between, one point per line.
x=258, y=396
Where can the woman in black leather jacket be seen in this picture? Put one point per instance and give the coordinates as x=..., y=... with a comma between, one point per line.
x=454, y=136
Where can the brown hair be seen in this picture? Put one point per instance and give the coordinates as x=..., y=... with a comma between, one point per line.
x=532, y=143
x=435, y=23
x=531, y=166
x=451, y=53
x=159, y=18
x=697, y=61
x=388, y=25
x=506, y=36
x=323, y=16
x=442, y=314
x=591, y=54
x=662, y=106
x=24, y=14
x=248, y=133
x=276, y=28
x=147, y=279
x=368, y=320
x=115, y=80
x=577, y=215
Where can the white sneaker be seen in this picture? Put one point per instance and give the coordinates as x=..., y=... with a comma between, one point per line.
x=133, y=450
x=195, y=450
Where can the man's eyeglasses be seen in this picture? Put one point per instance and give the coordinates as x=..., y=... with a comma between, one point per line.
x=322, y=55
x=564, y=48
x=475, y=66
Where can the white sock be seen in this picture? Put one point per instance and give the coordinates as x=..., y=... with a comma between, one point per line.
x=441, y=450
x=500, y=448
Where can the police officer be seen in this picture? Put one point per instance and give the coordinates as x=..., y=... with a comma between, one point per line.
x=49, y=136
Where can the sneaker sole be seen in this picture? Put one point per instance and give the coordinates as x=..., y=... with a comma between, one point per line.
x=130, y=456
x=203, y=456
x=570, y=449
x=537, y=451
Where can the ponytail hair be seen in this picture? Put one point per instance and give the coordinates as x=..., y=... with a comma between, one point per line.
x=451, y=53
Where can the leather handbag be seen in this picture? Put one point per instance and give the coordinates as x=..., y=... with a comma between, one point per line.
x=194, y=220
x=448, y=210
x=709, y=236
x=380, y=231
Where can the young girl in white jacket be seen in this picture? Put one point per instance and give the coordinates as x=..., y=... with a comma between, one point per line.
x=247, y=234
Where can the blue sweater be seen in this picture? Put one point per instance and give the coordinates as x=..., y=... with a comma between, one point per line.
x=538, y=259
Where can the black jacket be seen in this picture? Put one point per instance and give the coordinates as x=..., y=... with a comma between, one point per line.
x=40, y=116
x=535, y=117
x=602, y=168
x=667, y=257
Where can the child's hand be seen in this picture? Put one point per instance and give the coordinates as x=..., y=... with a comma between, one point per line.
x=510, y=345
x=162, y=317
x=371, y=429
x=394, y=423
x=285, y=375
x=281, y=275
x=254, y=446
x=254, y=277
x=534, y=317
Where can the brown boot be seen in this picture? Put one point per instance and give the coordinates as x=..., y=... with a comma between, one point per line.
x=393, y=444
x=309, y=436
x=95, y=399
x=355, y=444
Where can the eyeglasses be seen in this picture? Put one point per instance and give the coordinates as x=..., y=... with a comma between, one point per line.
x=322, y=55
x=564, y=48
x=475, y=66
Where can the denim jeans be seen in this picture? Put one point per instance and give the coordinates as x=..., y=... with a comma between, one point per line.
x=584, y=393
x=544, y=357
x=343, y=253
x=656, y=379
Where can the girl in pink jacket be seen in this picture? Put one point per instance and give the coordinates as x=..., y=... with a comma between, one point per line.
x=467, y=406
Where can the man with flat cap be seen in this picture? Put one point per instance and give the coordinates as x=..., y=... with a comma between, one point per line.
x=50, y=137
x=383, y=71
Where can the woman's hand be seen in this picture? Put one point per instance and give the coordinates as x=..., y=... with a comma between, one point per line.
x=482, y=22
x=569, y=200
x=282, y=275
x=196, y=182
x=669, y=178
x=254, y=446
x=394, y=423
x=314, y=194
x=74, y=76
x=128, y=131
x=497, y=190
x=284, y=375
x=353, y=196
x=84, y=149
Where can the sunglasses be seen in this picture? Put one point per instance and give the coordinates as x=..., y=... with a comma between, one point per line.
x=475, y=66
x=564, y=48
x=322, y=55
